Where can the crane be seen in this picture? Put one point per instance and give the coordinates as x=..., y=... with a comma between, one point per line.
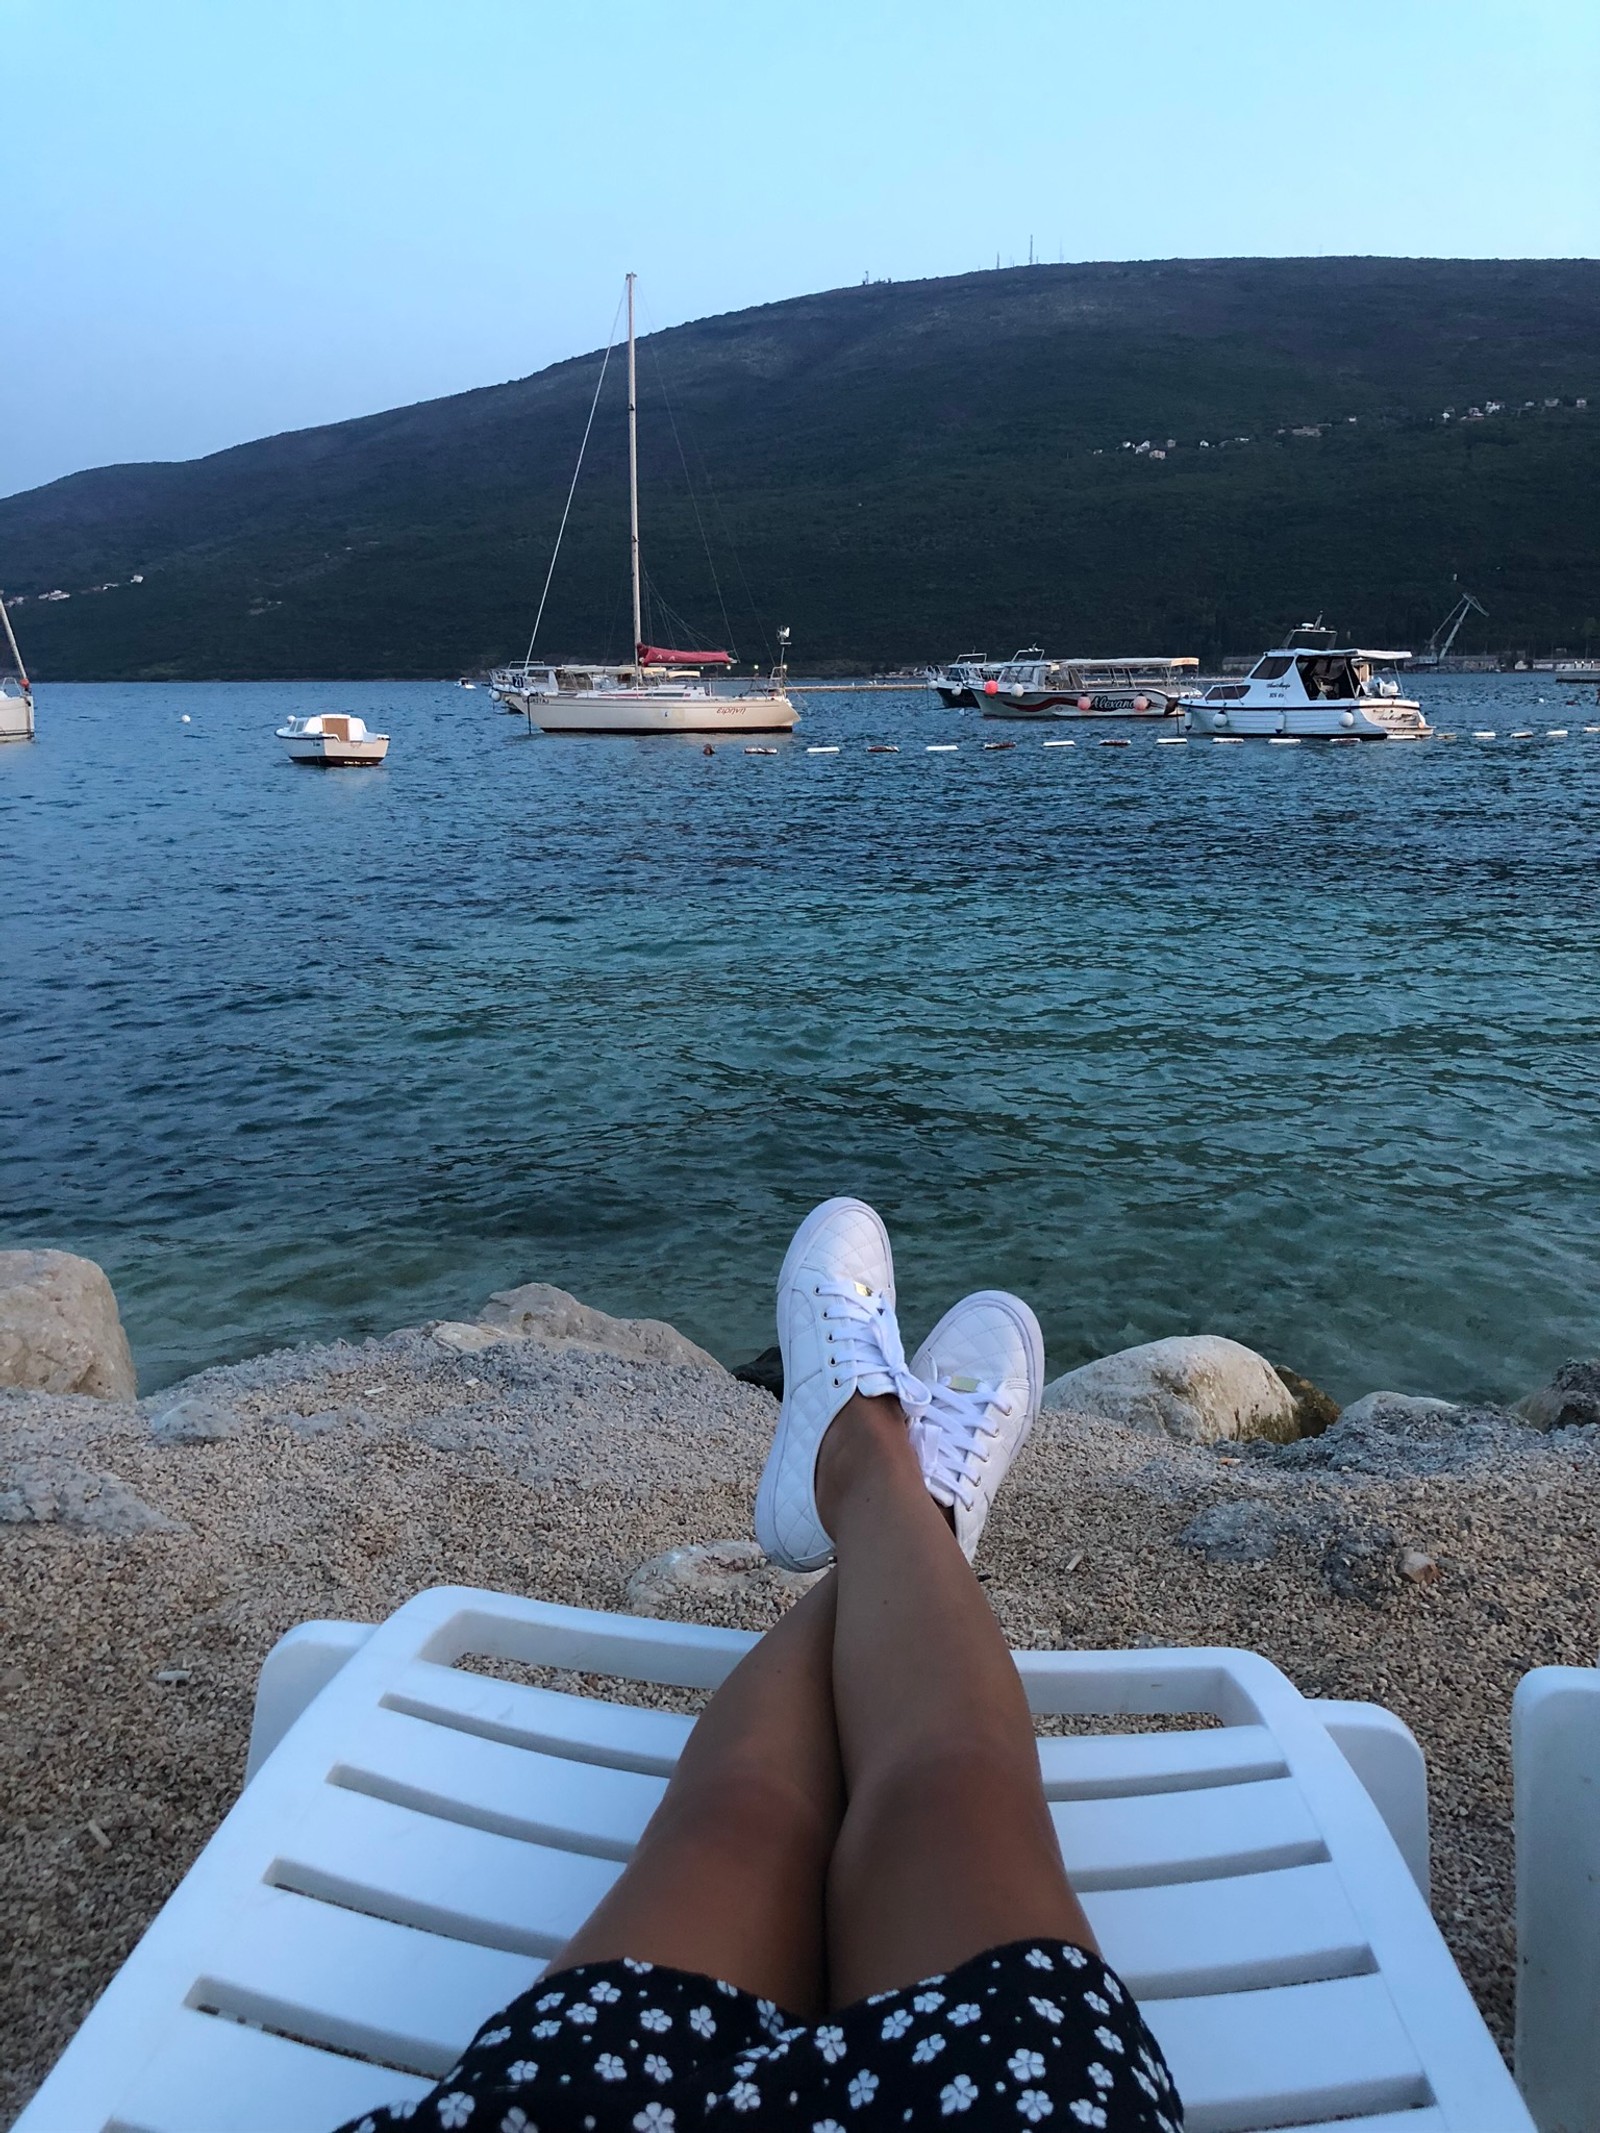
x=1439, y=651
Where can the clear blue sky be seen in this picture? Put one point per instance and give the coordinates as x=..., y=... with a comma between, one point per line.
x=223, y=218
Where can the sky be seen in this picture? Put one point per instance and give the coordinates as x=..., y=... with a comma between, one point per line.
x=225, y=218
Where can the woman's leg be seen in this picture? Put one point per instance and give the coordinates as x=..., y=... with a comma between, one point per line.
x=947, y=1846
x=729, y=1876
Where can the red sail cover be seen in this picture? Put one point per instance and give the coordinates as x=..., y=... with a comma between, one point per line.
x=652, y=655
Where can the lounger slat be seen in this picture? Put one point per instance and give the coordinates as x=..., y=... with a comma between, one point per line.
x=1289, y=2056
x=1429, y=2119
x=520, y=1792
x=1103, y=1766
x=211, y=2076
x=587, y=1728
x=1186, y=1836
x=1291, y=1927
x=468, y=1884
x=328, y=1976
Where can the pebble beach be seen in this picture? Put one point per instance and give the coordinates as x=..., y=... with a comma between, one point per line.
x=153, y=1551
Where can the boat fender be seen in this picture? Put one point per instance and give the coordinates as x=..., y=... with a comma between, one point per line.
x=991, y=687
x=1347, y=718
x=1222, y=718
x=1084, y=704
x=1016, y=688
x=1141, y=703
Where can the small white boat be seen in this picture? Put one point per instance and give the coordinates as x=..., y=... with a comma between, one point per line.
x=1031, y=686
x=958, y=684
x=1312, y=689
x=16, y=691
x=511, y=686
x=334, y=741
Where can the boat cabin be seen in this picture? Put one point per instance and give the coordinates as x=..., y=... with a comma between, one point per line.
x=1312, y=668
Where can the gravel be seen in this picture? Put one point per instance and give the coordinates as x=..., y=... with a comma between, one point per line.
x=338, y=1481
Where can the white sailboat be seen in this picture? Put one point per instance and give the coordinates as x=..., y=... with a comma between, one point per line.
x=16, y=691
x=664, y=691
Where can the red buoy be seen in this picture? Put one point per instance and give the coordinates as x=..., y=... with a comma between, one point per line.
x=1141, y=703
x=1084, y=704
x=991, y=687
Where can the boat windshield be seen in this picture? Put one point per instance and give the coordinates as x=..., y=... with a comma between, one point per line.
x=1325, y=677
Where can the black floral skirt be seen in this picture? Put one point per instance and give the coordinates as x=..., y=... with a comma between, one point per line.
x=1038, y=2033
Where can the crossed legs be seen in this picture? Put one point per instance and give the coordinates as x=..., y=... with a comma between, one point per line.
x=859, y=1805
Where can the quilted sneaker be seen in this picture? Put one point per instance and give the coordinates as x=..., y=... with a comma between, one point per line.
x=984, y=1366
x=839, y=1335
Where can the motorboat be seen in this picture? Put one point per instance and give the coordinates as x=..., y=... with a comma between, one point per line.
x=1312, y=688
x=16, y=691
x=957, y=684
x=1580, y=674
x=665, y=690
x=1032, y=686
x=333, y=741
x=521, y=681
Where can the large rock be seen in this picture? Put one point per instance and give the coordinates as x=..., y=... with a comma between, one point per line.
x=59, y=1328
x=1571, y=1400
x=537, y=1311
x=1199, y=1386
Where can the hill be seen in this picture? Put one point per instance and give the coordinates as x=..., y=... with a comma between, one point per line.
x=897, y=471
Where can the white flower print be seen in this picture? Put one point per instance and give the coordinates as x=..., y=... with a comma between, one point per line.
x=367, y=2125
x=863, y=2087
x=926, y=2002
x=830, y=2042
x=630, y=1962
x=1034, y=2104
x=1074, y=1956
x=1100, y=2006
x=896, y=2024
x=494, y=2036
x=545, y=2029
x=551, y=1999
x=702, y=2022
x=517, y=2120
x=967, y=2012
x=521, y=2070
x=1109, y=2038
x=605, y=1993
x=610, y=2066
x=958, y=2095
x=732, y=1991
x=1112, y=1986
x=655, y=2118
x=456, y=2108
x=1087, y=2113
x=655, y=2019
x=827, y=2125
x=1026, y=2066
x=744, y=2096
x=1038, y=1959
x=657, y=2068
x=1145, y=2082
x=580, y=2014
x=406, y=2109
x=1102, y=2076
x=929, y=2048
x=1047, y=2008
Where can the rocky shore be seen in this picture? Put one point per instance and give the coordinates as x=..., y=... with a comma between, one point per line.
x=1421, y=1553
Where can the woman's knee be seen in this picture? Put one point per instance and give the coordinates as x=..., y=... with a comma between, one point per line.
x=747, y=1805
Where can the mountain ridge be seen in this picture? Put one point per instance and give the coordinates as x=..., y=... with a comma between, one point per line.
x=895, y=466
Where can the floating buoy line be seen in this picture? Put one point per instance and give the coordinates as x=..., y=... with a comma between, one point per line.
x=1179, y=740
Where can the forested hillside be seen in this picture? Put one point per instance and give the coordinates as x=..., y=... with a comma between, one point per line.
x=899, y=472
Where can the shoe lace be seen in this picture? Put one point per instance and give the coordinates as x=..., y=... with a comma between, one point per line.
x=955, y=1434
x=864, y=1337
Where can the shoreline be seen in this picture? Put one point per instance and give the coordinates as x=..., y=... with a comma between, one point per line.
x=155, y=1550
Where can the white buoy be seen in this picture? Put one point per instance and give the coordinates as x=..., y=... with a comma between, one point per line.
x=1283, y=740
x=1172, y=740
x=1523, y=733
x=1558, y=733
x=1483, y=733
x=1592, y=729
x=942, y=747
x=1073, y=744
x=1227, y=740
x=883, y=748
x=822, y=751
x=185, y=717
x=748, y=751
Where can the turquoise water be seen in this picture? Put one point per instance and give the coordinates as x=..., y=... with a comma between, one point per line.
x=1300, y=1045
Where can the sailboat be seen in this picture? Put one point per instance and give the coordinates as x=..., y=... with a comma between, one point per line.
x=16, y=691
x=664, y=691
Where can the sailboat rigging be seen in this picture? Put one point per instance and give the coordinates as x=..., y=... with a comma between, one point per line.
x=664, y=691
x=16, y=691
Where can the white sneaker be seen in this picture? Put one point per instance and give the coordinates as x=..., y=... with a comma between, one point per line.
x=984, y=1363
x=839, y=1335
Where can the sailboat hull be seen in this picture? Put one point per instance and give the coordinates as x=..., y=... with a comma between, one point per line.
x=16, y=717
x=621, y=711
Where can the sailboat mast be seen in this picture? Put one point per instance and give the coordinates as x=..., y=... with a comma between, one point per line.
x=16, y=656
x=633, y=476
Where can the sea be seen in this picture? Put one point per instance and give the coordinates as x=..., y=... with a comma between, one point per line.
x=1300, y=1045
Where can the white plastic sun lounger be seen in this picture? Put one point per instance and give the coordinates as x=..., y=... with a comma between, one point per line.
x=1555, y=1761
x=417, y=1838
